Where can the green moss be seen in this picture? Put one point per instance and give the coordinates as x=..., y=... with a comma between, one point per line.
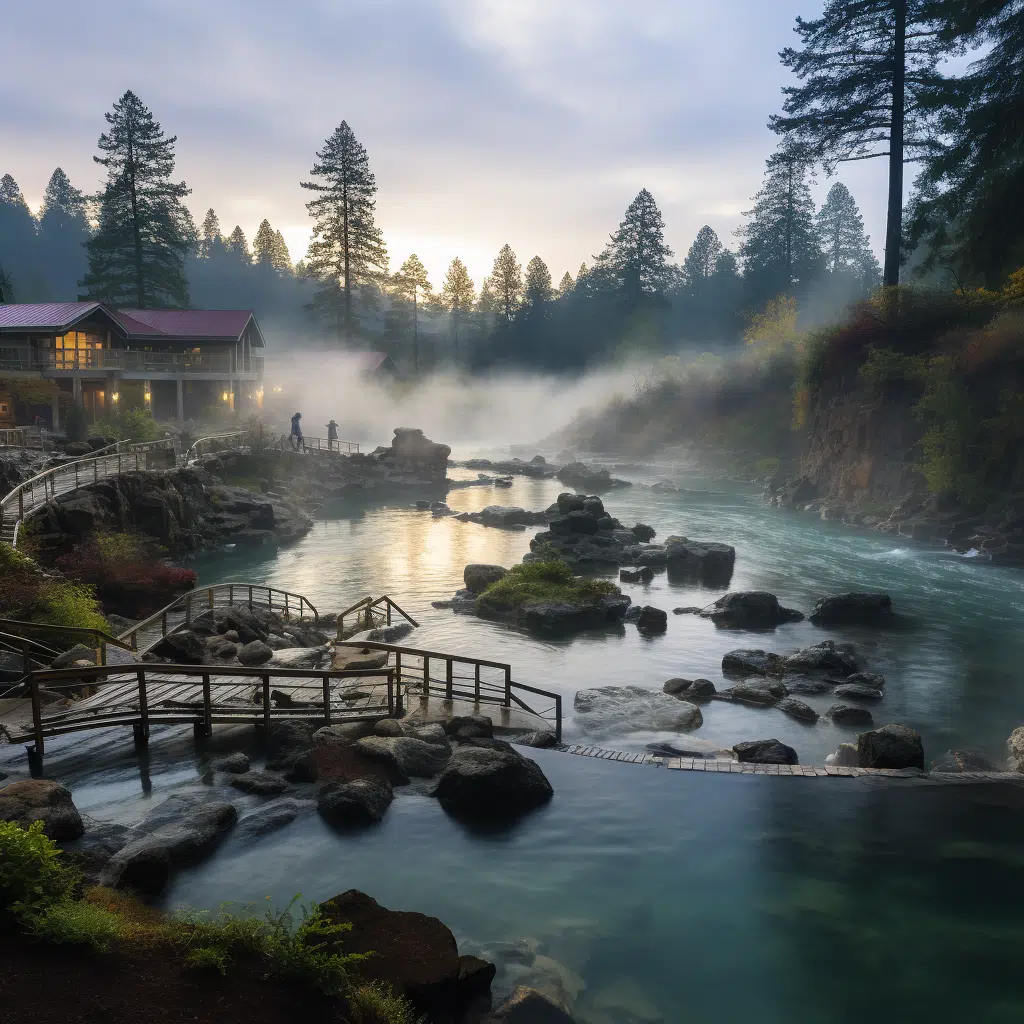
x=541, y=581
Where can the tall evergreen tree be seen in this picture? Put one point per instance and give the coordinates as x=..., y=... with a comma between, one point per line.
x=538, y=291
x=238, y=246
x=264, y=245
x=780, y=247
x=868, y=69
x=209, y=234
x=18, y=242
x=968, y=209
x=565, y=286
x=841, y=230
x=63, y=232
x=635, y=260
x=281, y=258
x=701, y=259
x=137, y=256
x=347, y=248
x=457, y=297
x=409, y=282
x=506, y=280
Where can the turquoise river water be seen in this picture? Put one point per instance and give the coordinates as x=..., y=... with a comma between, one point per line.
x=646, y=895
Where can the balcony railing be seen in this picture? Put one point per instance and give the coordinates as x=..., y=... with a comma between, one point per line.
x=24, y=358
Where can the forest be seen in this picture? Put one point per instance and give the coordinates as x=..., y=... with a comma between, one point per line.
x=136, y=243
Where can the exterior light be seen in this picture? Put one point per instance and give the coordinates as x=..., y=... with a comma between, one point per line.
x=147, y=396
x=115, y=396
x=224, y=396
x=277, y=391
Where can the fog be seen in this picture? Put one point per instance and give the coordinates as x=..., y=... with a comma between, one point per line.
x=456, y=409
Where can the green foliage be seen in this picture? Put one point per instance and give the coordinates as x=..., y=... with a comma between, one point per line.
x=75, y=426
x=32, y=876
x=541, y=581
x=208, y=958
x=26, y=593
x=70, y=604
x=135, y=425
x=886, y=366
x=378, y=1004
x=76, y=923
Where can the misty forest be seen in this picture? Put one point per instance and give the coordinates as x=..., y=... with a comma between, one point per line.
x=446, y=593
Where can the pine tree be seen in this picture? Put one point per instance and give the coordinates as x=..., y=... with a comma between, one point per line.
x=18, y=242
x=408, y=282
x=869, y=77
x=264, y=245
x=507, y=282
x=565, y=286
x=780, y=244
x=635, y=260
x=209, y=235
x=282, y=258
x=63, y=231
x=137, y=256
x=701, y=259
x=238, y=246
x=841, y=230
x=347, y=248
x=457, y=297
x=539, y=291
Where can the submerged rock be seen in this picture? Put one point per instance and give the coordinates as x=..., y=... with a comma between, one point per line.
x=529, y=1006
x=765, y=752
x=358, y=802
x=853, y=609
x=633, y=708
x=746, y=662
x=797, y=709
x=847, y=714
x=271, y=817
x=892, y=746
x=641, y=574
x=751, y=609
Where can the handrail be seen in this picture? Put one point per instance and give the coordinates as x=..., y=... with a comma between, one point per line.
x=89, y=632
x=159, y=444
x=324, y=445
x=194, y=599
x=194, y=449
x=369, y=604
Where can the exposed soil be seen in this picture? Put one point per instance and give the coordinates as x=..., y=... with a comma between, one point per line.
x=132, y=984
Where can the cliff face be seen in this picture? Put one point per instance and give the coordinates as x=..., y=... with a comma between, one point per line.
x=861, y=448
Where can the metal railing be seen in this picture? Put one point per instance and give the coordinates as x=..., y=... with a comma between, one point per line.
x=488, y=682
x=214, y=443
x=204, y=695
x=95, y=639
x=179, y=614
x=34, y=493
x=24, y=437
x=321, y=445
x=371, y=613
x=162, y=444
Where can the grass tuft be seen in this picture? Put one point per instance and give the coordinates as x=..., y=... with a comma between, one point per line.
x=541, y=581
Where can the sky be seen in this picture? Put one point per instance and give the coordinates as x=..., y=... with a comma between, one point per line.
x=532, y=122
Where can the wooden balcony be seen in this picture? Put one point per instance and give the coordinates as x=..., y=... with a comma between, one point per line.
x=124, y=360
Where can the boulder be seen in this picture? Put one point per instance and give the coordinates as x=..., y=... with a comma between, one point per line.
x=643, y=533
x=869, y=679
x=270, y=817
x=1015, y=750
x=856, y=691
x=390, y=634
x=570, y=616
x=744, y=662
x=260, y=783
x=853, y=609
x=41, y=800
x=848, y=714
x=541, y=739
x=77, y=653
x=479, y=784
x=765, y=752
x=709, y=561
x=633, y=708
x=641, y=574
x=183, y=648
x=689, y=689
x=478, y=577
x=409, y=756
x=416, y=956
x=797, y=709
x=828, y=656
x=963, y=761
x=235, y=764
x=143, y=866
x=568, y=502
x=467, y=727
x=296, y=657
x=256, y=652
x=812, y=685
x=220, y=647
x=359, y=802
x=749, y=609
x=652, y=620
x=892, y=746
x=92, y=852
x=762, y=693
x=574, y=522
x=528, y=1006
x=289, y=737
x=388, y=727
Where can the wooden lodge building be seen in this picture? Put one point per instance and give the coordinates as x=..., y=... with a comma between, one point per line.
x=179, y=363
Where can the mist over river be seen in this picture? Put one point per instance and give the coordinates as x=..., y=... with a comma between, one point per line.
x=641, y=895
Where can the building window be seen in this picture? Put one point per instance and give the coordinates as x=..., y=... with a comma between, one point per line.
x=73, y=348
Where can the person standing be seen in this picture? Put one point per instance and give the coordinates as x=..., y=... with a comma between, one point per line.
x=332, y=435
x=296, y=439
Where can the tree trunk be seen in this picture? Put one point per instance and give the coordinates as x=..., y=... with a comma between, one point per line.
x=345, y=254
x=789, y=229
x=894, y=216
x=140, y=283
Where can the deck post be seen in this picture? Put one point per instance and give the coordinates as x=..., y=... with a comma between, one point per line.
x=188, y=609
x=327, y=699
x=266, y=703
x=508, y=686
x=37, y=717
x=207, y=706
x=387, y=605
x=391, y=695
x=426, y=676
x=476, y=683
x=448, y=677
x=558, y=718
x=142, y=728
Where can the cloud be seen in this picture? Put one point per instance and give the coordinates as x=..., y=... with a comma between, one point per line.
x=527, y=121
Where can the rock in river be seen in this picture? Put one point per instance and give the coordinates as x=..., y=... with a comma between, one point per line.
x=856, y=691
x=689, y=689
x=651, y=620
x=828, y=656
x=847, y=714
x=408, y=755
x=750, y=609
x=255, y=653
x=765, y=752
x=759, y=692
x=744, y=662
x=479, y=577
x=359, y=802
x=633, y=708
x=797, y=709
x=528, y=1006
x=260, y=783
x=183, y=648
x=892, y=746
x=480, y=784
x=1015, y=750
x=41, y=800
x=854, y=609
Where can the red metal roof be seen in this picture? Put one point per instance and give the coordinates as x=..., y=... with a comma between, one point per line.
x=44, y=314
x=185, y=323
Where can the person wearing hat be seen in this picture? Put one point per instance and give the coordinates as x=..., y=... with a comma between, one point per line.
x=332, y=435
x=296, y=440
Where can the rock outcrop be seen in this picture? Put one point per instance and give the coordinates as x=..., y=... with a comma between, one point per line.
x=892, y=746
x=765, y=752
x=853, y=609
x=749, y=609
x=491, y=784
x=42, y=800
x=632, y=708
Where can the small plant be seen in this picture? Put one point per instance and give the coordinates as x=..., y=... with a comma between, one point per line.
x=378, y=1004
x=541, y=581
x=32, y=877
x=208, y=958
x=75, y=923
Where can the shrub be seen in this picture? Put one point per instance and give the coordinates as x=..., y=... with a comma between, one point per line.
x=378, y=1004
x=75, y=426
x=130, y=425
x=541, y=581
x=26, y=593
x=76, y=923
x=32, y=877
